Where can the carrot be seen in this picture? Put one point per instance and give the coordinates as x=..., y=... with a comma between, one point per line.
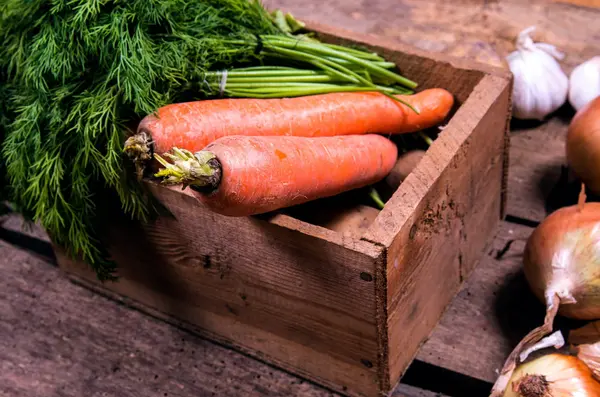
x=193, y=125
x=247, y=175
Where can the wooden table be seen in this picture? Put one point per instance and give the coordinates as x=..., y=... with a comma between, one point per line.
x=59, y=339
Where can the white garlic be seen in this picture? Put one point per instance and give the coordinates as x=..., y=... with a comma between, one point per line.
x=540, y=86
x=584, y=83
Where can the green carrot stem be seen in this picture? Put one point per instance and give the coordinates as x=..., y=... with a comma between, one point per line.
x=280, y=21
x=324, y=61
x=383, y=64
x=376, y=198
x=281, y=79
x=283, y=85
x=265, y=73
x=282, y=88
x=320, y=49
x=395, y=98
x=294, y=24
x=371, y=56
x=357, y=53
x=266, y=68
x=334, y=72
x=427, y=139
x=291, y=91
x=342, y=71
x=365, y=74
x=403, y=90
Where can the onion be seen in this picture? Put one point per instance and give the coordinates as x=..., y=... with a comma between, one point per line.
x=562, y=261
x=562, y=267
x=553, y=375
x=586, y=341
x=583, y=145
x=590, y=355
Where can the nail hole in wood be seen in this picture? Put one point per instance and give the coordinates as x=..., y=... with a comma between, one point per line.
x=366, y=363
x=366, y=276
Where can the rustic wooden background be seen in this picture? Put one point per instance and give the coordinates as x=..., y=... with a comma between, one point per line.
x=59, y=339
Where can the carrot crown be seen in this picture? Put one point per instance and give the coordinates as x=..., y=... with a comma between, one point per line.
x=200, y=170
x=137, y=148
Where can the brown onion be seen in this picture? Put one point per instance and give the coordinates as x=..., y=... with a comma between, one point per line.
x=583, y=145
x=586, y=344
x=562, y=260
x=553, y=375
x=562, y=267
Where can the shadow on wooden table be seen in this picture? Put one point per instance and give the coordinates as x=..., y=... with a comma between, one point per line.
x=446, y=382
x=566, y=192
x=565, y=113
x=518, y=311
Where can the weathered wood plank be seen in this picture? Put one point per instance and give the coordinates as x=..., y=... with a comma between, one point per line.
x=434, y=248
x=490, y=314
x=58, y=338
x=537, y=155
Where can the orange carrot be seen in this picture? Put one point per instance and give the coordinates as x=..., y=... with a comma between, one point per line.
x=247, y=175
x=193, y=125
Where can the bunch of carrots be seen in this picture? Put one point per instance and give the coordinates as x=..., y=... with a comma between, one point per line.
x=247, y=156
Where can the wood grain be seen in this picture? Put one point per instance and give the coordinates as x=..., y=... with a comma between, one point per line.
x=451, y=204
x=282, y=295
x=490, y=314
x=537, y=155
x=60, y=339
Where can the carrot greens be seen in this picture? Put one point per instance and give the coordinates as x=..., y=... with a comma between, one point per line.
x=77, y=76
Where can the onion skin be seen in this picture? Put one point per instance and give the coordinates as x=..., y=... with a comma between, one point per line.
x=583, y=145
x=562, y=257
x=590, y=355
x=566, y=376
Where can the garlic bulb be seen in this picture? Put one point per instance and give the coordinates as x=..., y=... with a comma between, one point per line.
x=584, y=83
x=540, y=86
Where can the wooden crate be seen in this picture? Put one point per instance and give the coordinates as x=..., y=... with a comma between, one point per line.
x=346, y=310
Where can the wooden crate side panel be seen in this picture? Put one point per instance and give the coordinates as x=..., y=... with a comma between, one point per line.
x=288, y=222
x=438, y=246
x=440, y=156
x=289, y=298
